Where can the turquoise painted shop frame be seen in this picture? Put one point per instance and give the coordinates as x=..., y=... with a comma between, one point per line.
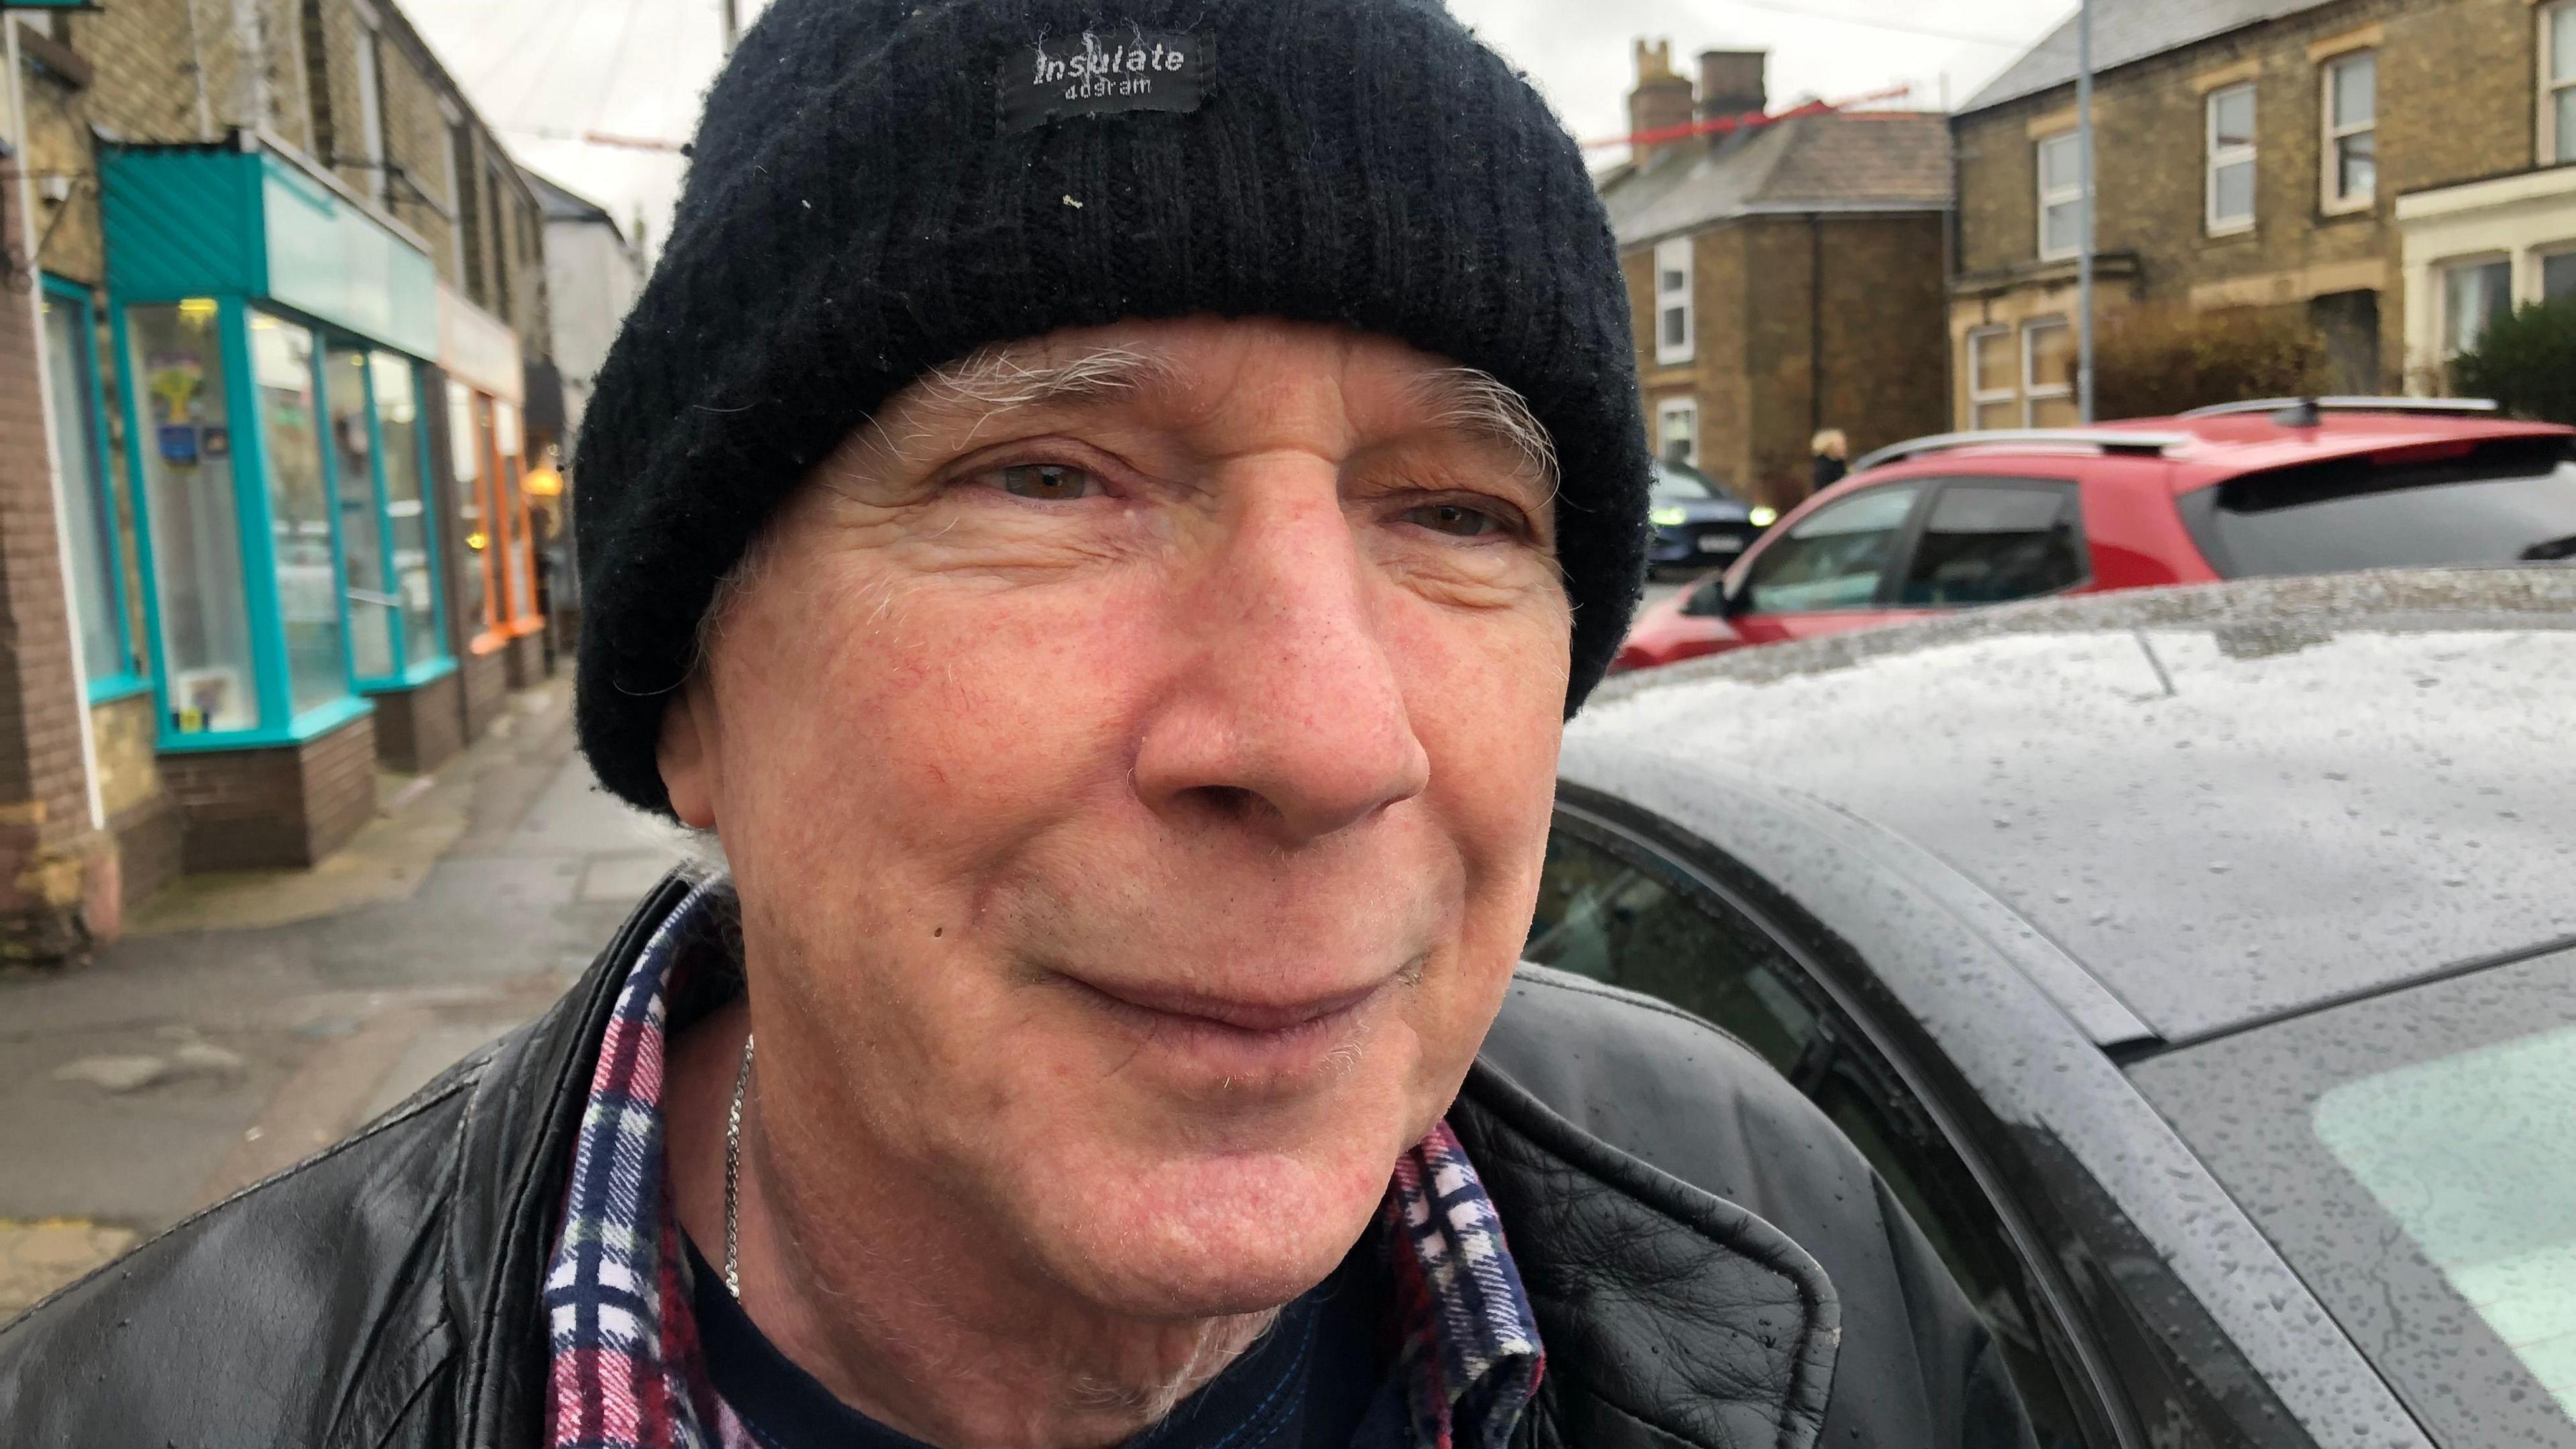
x=101, y=490
x=208, y=222
x=408, y=673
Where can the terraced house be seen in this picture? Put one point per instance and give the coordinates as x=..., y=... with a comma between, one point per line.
x=1784, y=270
x=283, y=339
x=2394, y=172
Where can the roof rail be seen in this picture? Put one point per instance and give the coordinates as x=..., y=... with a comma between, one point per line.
x=2111, y=441
x=2451, y=405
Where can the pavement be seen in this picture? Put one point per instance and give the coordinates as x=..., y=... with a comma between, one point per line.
x=248, y=1020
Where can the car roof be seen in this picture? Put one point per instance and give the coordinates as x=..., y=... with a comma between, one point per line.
x=2225, y=802
x=2217, y=447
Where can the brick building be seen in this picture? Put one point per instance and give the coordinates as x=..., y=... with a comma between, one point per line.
x=1784, y=272
x=278, y=275
x=2392, y=170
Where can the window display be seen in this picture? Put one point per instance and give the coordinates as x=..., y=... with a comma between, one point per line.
x=308, y=590
x=414, y=572
x=372, y=603
x=508, y=442
x=176, y=362
x=466, y=425
x=89, y=521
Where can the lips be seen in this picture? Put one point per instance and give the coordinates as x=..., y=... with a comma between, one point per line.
x=1240, y=1042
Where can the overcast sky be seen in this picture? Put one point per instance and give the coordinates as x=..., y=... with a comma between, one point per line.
x=547, y=71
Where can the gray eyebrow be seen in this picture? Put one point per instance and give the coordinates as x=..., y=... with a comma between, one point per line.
x=1004, y=377
x=1475, y=401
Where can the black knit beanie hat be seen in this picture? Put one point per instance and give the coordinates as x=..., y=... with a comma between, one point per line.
x=880, y=187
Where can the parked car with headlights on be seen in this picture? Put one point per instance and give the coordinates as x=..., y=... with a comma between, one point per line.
x=1697, y=522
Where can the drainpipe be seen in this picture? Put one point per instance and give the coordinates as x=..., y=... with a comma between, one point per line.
x=25, y=200
x=1815, y=323
x=2084, y=208
x=253, y=94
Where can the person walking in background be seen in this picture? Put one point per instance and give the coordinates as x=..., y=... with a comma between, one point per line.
x=1832, y=452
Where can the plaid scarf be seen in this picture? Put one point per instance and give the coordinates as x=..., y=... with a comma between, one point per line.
x=627, y=1372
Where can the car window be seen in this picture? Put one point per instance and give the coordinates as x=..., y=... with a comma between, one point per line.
x=1988, y=543
x=2413, y=1156
x=1672, y=482
x=1603, y=917
x=2508, y=501
x=1835, y=557
x=1617, y=913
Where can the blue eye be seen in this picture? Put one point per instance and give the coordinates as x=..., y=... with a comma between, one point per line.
x=1048, y=482
x=1455, y=519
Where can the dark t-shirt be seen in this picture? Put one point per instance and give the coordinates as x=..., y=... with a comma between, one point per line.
x=1321, y=1378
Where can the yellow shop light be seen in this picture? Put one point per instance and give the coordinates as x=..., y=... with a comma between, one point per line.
x=543, y=482
x=197, y=309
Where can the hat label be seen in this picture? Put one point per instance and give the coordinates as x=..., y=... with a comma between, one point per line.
x=1143, y=70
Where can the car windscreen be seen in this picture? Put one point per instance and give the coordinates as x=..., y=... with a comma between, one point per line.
x=2496, y=501
x=2413, y=1157
x=1678, y=485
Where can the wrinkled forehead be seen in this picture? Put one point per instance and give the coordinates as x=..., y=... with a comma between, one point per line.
x=1209, y=375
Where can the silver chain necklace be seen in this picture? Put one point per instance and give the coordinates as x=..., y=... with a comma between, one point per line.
x=733, y=1170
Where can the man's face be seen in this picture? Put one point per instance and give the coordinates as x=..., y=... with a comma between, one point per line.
x=1134, y=755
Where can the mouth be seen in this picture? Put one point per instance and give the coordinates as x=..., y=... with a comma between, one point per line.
x=1241, y=1042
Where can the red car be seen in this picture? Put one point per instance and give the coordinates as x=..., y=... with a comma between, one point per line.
x=2296, y=486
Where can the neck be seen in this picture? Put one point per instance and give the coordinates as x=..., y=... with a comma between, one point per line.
x=868, y=1277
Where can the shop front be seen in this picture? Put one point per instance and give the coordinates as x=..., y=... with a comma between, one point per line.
x=497, y=625
x=274, y=332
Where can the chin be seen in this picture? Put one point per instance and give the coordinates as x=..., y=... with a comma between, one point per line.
x=1202, y=1236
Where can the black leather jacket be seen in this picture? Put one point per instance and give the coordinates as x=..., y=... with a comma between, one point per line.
x=1712, y=1264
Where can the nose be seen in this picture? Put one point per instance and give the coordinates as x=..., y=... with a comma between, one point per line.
x=1287, y=717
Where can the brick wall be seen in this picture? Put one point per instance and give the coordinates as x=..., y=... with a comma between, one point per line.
x=1756, y=364
x=47, y=845
x=417, y=730
x=2456, y=101
x=483, y=687
x=283, y=808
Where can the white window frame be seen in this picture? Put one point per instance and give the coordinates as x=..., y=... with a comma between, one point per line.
x=1979, y=397
x=2049, y=200
x=2442, y=273
x=1673, y=254
x=2552, y=85
x=1666, y=411
x=2331, y=136
x=2032, y=391
x=2222, y=157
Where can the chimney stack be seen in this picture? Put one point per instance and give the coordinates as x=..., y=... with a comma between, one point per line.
x=1661, y=101
x=1732, y=83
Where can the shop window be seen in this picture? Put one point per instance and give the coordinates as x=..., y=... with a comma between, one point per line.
x=184, y=458
x=89, y=506
x=2230, y=202
x=299, y=513
x=517, y=554
x=1994, y=397
x=2558, y=83
x=2352, y=132
x=2048, y=374
x=413, y=555
x=2061, y=197
x=2473, y=294
x=1677, y=430
x=1673, y=311
x=469, y=430
x=372, y=605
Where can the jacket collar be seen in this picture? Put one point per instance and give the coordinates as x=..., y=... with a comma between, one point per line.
x=1669, y=1313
